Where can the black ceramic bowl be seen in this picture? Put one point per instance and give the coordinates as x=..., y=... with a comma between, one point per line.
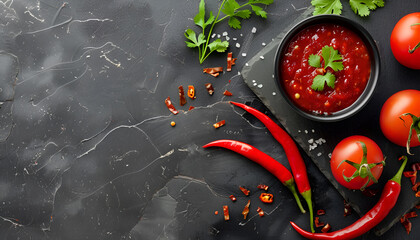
x=374, y=59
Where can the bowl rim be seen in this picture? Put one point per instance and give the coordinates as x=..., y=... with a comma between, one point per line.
x=367, y=93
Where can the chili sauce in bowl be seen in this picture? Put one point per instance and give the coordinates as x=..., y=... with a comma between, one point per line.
x=347, y=88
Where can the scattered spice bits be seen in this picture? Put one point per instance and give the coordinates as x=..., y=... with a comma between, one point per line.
x=173, y=124
x=412, y=175
x=226, y=212
x=244, y=190
x=233, y=198
x=326, y=228
x=246, y=209
x=262, y=187
x=370, y=192
x=216, y=212
x=320, y=212
x=170, y=106
x=219, y=124
x=191, y=108
x=418, y=194
x=405, y=222
x=260, y=212
x=318, y=223
x=209, y=88
x=418, y=206
x=213, y=71
x=230, y=62
x=266, y=197
x=415, y=166
x=416, y=187
x=227, y=93
x=347, y=209
x=191, y=91
x=182, y=100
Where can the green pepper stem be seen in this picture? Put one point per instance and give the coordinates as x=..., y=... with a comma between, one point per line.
x=290, y=184
x=397, y=177
x=307, y=195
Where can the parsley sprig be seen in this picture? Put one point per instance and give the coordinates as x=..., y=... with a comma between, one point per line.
x=232, y=10
x=333, y=60
x=361, y=7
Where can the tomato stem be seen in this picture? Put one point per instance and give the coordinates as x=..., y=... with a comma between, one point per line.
x=414, y=126
x=414, y=49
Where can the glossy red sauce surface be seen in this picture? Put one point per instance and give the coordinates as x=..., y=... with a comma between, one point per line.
x=297, y=75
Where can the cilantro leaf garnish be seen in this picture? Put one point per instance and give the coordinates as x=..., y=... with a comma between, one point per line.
x=360, y=7
x=327, y=7
x=232, y=10
x=331, y=59
x=320, y=80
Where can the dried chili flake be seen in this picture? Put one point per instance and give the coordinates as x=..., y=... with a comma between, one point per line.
x=182, y=100
x=226, y=212
x=418, y=194
x=219, y=124
x=406, y=224
x=412, y=175
x=216, y=212
x=170, y=106
x=410, y=214
x=213, y=71
x=326, y=228
x=244, y=190
x=260, y=212
x=318, y=223
x=227, y=93
x=370, y=192
x=266, y=197
x=173, y=124
x=320, y=212
x=191, y=92
x=246, y=209
x=209, y=88
x=415, y=166
x=191, y=108
x=417, y=206
x=263, y=187
x=347, y=209
x=233, y=198
x=230, y=62
x=416, y=187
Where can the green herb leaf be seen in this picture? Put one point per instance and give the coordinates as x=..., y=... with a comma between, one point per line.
x=314, y=60
x=327, y=7
x=319, y=81
x=234, y=23
x=331, y=56
x=259, y=11
x=266, y=2
x=244, y=14
x=363, y=7
x=229, y=7
x=218, y=45
x=190, y=35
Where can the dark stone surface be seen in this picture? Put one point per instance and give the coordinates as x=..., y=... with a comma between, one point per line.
x=86, y=146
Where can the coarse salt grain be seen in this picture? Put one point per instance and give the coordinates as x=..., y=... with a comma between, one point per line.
x=329, y=155
x=263, y=44
x=243, y=54
x=227, y=38
x=234, y=39
x=260, y=86
x=306, y=131
x=254, y=30
x=319, y=154
x=224, y=33
x=262, y=57
x=213, y=35
x=253, y=80
x=274, y=93
x=255, y=84
x=238, y=45
x=311, y=141
x=246, y=64
x=218, y=35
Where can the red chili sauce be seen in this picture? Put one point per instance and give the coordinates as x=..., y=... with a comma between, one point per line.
x=298, y=75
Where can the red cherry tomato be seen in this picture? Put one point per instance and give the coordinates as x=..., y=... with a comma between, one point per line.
x=395, y=129
x=351, y=149
x=405, y=37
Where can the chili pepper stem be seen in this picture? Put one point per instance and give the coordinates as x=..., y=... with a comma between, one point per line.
x=397, y=177
x=307, y=195
x=291, y=186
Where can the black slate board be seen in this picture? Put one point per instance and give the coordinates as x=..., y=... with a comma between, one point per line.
x=258, y=74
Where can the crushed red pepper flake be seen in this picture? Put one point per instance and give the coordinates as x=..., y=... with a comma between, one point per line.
x=320, y=212
x=170, y=106
x=219, y=124
x=226, y=212
x=370, y=192
x=415, y=166
x=410, y=214
x=233, y=198
x=266, y=197
x=347, y=209
x=227, y=93
x=318, y=223
x=260, y=212
x=417, y=206
x=412, y=175
x=246, y=209
x=326, y=228
x=230, y=62
x=191, y=108
x=209, y=88
x=244, y=190
x=191, y=92
x=416, y=187
x=216, y=212
x=262, y=187
x=418, y=194
x=182, y=100
x=406, y=224
x=214, y=71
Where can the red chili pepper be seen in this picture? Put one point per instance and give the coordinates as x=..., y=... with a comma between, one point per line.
x=370, y=219
x=326, y=228
x=293, y=155
x=219, y=124
x=266, y=197
x=267, y=162
x=191, y=91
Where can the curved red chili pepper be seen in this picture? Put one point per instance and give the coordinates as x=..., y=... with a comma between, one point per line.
x=292, y=152
x=264, y=160
x=370, y=219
